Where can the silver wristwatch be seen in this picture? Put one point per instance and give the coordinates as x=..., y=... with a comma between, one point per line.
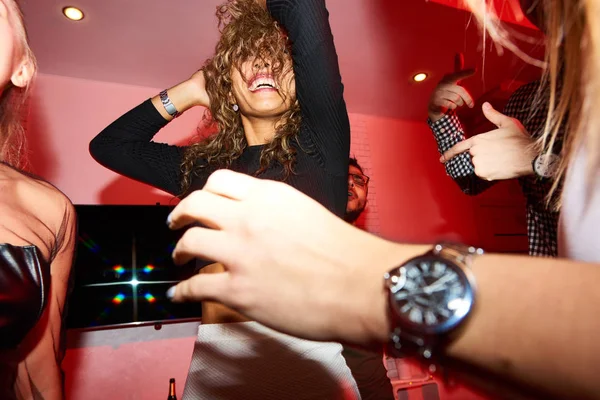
x=169, y=107
x=430, y=298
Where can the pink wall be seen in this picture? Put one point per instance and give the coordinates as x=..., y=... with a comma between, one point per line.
x=66, y=113
x=128, y=363
x=411, y=199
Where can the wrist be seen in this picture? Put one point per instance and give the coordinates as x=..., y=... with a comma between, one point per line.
x=191, y=94
x=373, y=313
x=528, y=165
x=434, y=117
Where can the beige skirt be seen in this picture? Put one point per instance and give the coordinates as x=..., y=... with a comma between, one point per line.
x=247, y=360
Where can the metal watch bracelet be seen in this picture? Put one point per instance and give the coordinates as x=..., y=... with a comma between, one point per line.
x=169, y=106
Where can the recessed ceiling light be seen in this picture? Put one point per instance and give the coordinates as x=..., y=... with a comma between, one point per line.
x=73, y=13
x=420, y=77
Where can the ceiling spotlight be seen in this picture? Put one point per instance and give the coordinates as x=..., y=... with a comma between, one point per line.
x=73, y=13
x=420, y=77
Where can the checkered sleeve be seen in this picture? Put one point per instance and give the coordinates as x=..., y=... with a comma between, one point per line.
x=530, y=106
x=447, y=132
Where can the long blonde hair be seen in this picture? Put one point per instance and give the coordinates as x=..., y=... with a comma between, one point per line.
x=13, y=98
x=571, y=72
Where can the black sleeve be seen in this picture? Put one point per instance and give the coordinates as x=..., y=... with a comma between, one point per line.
x=126, y=147
x=318, y=82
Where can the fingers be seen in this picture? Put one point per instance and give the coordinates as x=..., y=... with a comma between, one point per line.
x=464, y=74
x=458, y=76
x=464, y=95
x=231, y=184
x=205, y=207
x=454, y=93
x=204, y=243
x=202, y=287
x=455, y=150
x=495, y=117
x=445, y=104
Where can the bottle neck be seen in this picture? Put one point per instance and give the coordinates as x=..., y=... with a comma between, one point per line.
x=172, y=395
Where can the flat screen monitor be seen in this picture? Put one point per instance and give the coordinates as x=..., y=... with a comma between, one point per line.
x=123, y=268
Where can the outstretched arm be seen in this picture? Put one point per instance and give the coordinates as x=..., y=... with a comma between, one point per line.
x=531, y=325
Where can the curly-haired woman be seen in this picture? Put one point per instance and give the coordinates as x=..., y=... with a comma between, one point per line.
x=277, y=102
x=279, y=109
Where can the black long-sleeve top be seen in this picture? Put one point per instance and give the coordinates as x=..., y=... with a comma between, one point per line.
x=322, y=144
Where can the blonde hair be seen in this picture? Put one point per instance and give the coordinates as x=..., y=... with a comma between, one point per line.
x=571, y=73
x=13, y=98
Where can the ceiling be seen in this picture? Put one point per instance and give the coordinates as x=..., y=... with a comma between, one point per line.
x=381, y=44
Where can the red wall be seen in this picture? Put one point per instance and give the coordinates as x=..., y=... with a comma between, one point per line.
x=507, y=10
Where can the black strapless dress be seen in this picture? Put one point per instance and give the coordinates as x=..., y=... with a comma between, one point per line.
x=24, y=290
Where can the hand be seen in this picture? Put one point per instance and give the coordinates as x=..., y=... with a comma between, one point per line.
x=448, y=95
x=197, y=87
x=291, y=264
x=504, y=153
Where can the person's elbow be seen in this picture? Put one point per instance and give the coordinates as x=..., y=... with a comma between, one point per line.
x=100, y=149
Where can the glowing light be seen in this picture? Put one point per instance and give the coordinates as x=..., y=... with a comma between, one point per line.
x=150, y=298
x=420, y=77
x=134, y=282
x=118, y=299
x=118, y=269
x=148, y=268
x=73, y=13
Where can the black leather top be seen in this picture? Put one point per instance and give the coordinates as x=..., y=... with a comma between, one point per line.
x=24, y=290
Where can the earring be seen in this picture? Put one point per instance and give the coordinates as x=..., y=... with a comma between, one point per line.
x=235, y=107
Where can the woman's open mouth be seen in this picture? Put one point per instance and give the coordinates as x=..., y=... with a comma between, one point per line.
x=262, y=82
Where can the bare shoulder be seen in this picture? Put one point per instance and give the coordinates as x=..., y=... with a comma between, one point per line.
x=48, y=194
x=30, y=194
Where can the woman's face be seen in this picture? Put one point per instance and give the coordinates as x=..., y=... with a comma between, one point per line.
x=256, y=91
x=13, y=66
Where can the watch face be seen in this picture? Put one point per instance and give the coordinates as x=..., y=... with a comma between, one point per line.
x=432, y=295
x=546, y=165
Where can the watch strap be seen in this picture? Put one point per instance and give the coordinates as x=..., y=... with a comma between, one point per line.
x=169, y=106
x=457, y=252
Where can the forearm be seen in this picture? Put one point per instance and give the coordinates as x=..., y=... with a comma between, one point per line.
x=183, y=96
x=319, y=86
x=126, y=147
x=531, y=325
